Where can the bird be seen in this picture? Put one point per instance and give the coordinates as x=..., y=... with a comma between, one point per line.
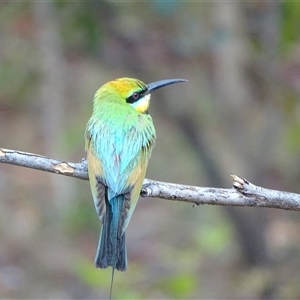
x=119, y=139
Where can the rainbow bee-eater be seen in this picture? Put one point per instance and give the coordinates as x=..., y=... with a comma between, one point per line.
x=119, y=138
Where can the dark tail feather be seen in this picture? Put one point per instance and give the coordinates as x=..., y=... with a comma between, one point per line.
x=111, y=248
x=106, y=257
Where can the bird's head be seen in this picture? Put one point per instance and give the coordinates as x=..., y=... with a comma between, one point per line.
x=133, y=91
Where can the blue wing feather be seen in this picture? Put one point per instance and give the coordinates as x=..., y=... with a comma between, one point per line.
x=118, y=154
x=120, y=151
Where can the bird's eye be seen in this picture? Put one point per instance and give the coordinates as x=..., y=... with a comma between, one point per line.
x=135, y=95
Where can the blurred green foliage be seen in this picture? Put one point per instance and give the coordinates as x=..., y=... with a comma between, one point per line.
x=290, y=23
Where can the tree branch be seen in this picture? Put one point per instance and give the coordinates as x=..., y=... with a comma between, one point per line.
x=43, y=163
x=243, y=192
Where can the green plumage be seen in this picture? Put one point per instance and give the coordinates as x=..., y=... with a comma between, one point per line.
x=119, y=142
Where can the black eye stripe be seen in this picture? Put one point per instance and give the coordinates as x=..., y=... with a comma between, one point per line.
x=133, y=98
x=136, y=96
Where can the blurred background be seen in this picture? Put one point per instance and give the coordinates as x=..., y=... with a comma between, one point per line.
x=239, y=113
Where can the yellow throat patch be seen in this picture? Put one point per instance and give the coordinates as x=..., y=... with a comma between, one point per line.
x=142, y=104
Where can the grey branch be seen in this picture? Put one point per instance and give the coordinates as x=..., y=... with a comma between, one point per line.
x=243, y=193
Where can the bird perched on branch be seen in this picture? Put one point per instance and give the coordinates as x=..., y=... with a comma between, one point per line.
x=119, y=139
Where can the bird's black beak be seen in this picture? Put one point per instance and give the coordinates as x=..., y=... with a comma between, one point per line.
x=161, y=83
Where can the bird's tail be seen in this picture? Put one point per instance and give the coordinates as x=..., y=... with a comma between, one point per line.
x=111, y=248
